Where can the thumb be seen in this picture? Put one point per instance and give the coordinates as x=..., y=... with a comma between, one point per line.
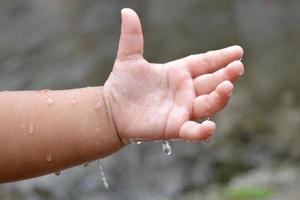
x=131, y=40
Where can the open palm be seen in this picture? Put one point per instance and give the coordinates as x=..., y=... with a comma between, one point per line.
x=152, y=101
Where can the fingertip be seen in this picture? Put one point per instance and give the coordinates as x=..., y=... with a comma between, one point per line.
x=236, y=51
x=123, y=10
x=210, y=125
x=130, y=15
x=127, y=11
x=237, y=67
x=123, y=13
x=225, y=88
x=239, y=49
x=194, y=131
x=131, y=38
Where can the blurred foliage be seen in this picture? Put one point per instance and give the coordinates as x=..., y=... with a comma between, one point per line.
x=247, y=193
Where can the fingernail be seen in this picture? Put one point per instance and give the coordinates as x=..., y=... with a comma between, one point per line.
x=123, y=10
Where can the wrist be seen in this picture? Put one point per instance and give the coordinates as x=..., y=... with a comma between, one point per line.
x=111, y=118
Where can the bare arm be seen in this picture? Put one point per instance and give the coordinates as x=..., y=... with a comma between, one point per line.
x=46, y=131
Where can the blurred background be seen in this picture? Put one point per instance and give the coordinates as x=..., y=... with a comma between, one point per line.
x=255, y=153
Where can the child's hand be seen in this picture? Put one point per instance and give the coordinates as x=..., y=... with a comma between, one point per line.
x=151, y=101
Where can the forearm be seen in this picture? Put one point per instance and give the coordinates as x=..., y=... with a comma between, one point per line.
x=47, y=131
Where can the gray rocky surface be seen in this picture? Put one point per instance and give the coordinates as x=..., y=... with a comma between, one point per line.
x=70, y=43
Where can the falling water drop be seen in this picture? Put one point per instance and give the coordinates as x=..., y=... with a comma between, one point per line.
x=49, y=158
x=166, y=147
x=201, y=120
x=139, y=142
x=57, y=173
x=31, y=128
x=49, y=101
x=103, y=178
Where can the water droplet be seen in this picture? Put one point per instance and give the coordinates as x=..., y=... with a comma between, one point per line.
x=44, y=90
x=86, y=164
x=208, y=140
x=166, y=147
x=135, y=142
x=205, y=119
x=103, y=178
x=202, y=119
x=49, y=101
x=49, y=158
x=98, y=106
x=57, y=173
x=31, y=128
x=74, y=102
